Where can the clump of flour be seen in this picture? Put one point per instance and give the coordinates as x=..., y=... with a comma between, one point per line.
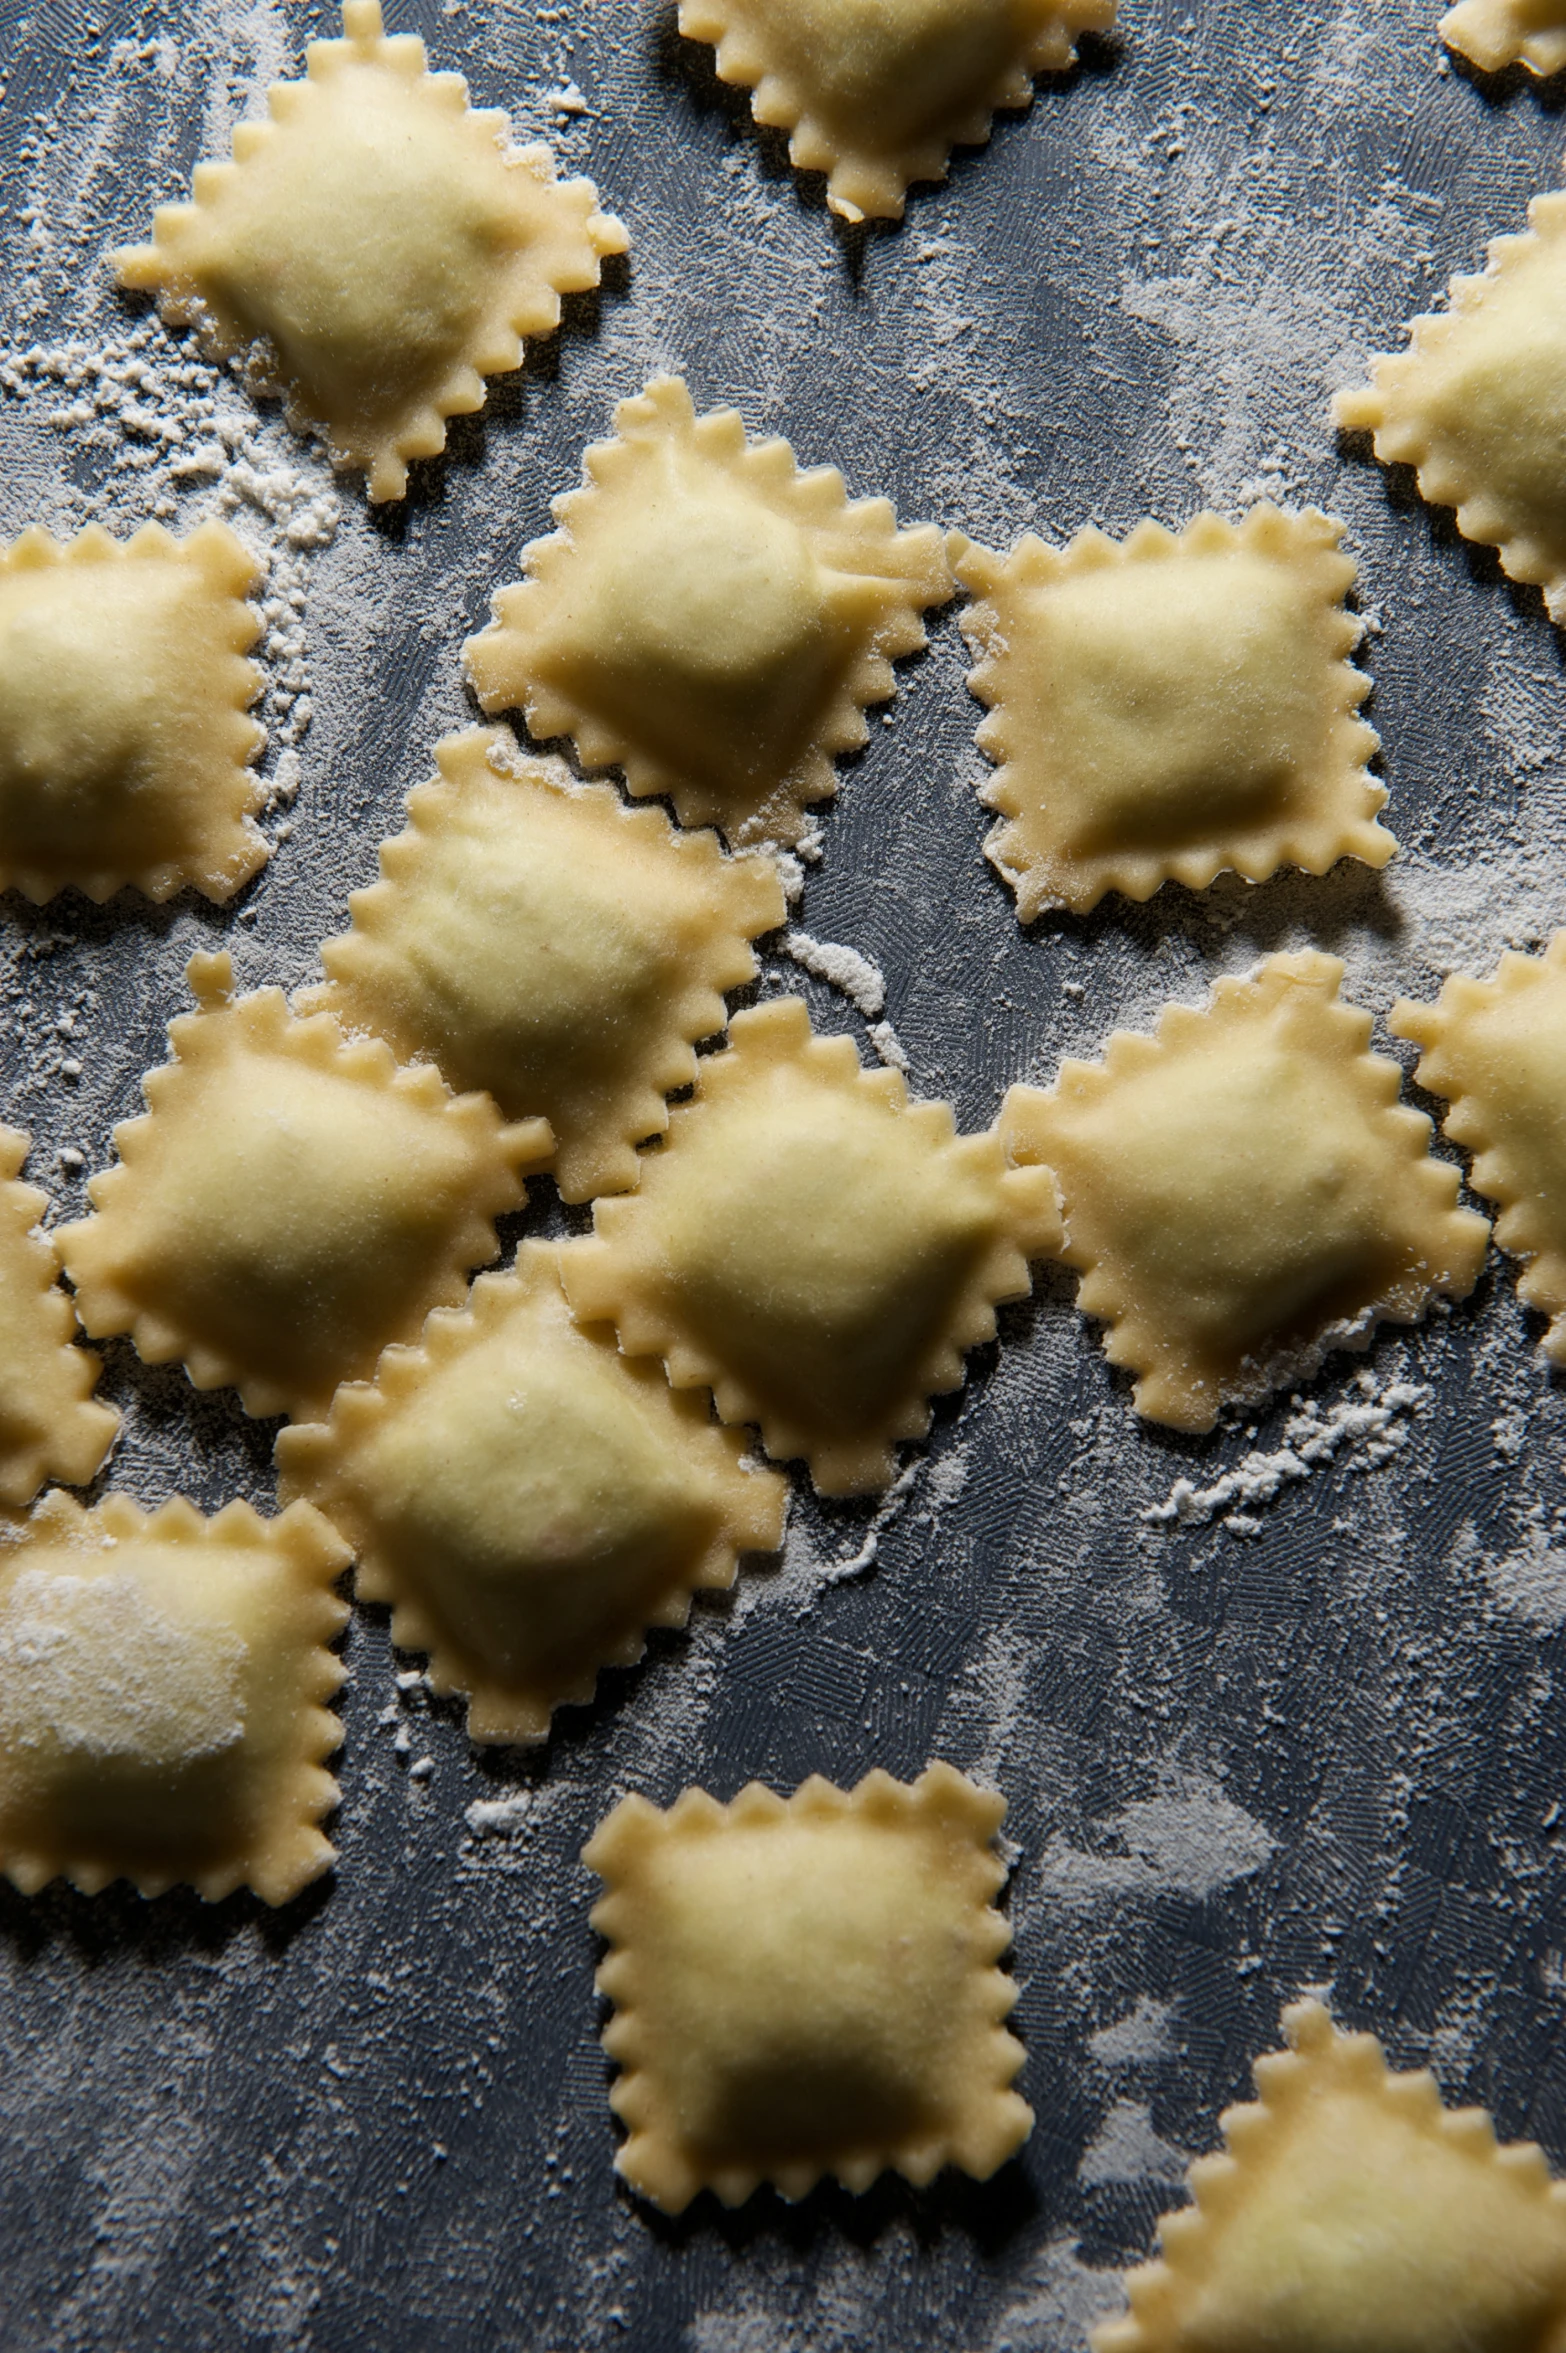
x=857, y=979
x=1368, y=1426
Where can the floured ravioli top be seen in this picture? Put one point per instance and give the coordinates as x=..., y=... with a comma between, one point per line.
x=527, y=1501
x=1497, y=33
x=1474, y=403
x=49, y=1426
x=383, y=241
x=292, y=1202
x=1171, y=707
x=806, y=1986
x=709, y=618
x=125, y=747
x=536, y=937
x=163, y=1689
x=1497, y=1051
x=877, y=93
x=814, y=1248
x=1353, y=2212
x=1243, y=1190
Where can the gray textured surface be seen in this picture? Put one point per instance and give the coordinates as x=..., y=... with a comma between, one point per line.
x=1324, y=1752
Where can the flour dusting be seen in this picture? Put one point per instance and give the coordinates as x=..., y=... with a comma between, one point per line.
x=1126, y=2148
x=91, y=1664
x=1527, y=1581
x=1368, y=1427
x=1190, y=1841
x=1142, y=2038
x=178, y=440
x=1134, y=301
x=1059, y=2303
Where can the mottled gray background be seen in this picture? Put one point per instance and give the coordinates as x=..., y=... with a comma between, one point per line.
x=1320, y=1745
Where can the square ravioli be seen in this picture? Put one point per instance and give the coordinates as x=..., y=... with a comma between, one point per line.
x=526, y=1501
x=535, y=937
x=814, y=1248
x=164, y=1682
x=709, y=618
x=292, y=1202
x=1472, y=404
x=1171, y=707
x=1496, y=1050
x=382, y=241
x=1352, y=2211
x=808, y=1985
x=1494, y=34
x=125, y=747
x=1243, y=1191
x=878, y=97
x=49, y=1426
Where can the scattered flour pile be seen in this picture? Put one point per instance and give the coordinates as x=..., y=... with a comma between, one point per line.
x=1370, y=1425
x=175, y=439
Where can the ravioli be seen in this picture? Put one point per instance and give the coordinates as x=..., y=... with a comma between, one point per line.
x=1243, y=1190
x=164, y=1682
x=1171, y=707
x=814, y=1248
x=526, y=1501
x=877, y=93
x=1494, y=34
x=292, y=1203
x=125, y=747
x=808, y=1985
x=709, y=618
x=535, y=937
x=49, y=1426
x=1352, y=2210
x=1496, y=1050
x=384, y=243
x=1475, y=404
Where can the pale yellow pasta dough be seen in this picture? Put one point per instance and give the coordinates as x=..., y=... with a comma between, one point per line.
x=527, y=1501
x=292, y=1203
x=49, y=1426
x=1475, y=403
x=709, y=618
x=534, y=936
x=814, y=1248
x=163, y=1690
x=877, y=93
x=125, y=747
x=1496, y=1050
x=1170, y=707
x=1243, y=1191
x=1352, y=2213
x=808, y=1985
x=1498, y=33
x=385, y=243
